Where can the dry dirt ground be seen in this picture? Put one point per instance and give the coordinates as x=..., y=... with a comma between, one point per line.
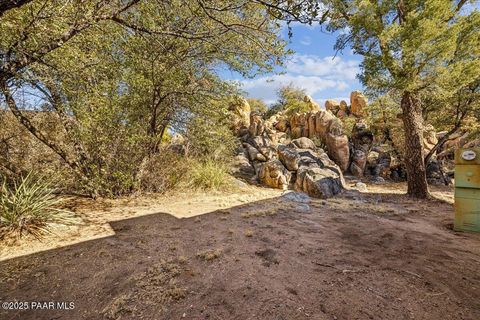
x=253, y=255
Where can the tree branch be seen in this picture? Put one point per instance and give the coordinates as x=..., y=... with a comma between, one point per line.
x=6, y=5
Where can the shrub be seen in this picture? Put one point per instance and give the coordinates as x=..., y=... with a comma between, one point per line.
x=209, y=174
x=290, y=100
x=30, y=207
x=209, y=255
x=348, y=124
x=162, y=172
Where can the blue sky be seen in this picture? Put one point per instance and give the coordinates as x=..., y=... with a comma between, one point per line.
x=312, y=67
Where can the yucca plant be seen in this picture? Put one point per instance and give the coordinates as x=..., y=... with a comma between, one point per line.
x=29, y=206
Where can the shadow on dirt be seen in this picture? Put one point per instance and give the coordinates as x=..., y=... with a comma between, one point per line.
x=359, y=256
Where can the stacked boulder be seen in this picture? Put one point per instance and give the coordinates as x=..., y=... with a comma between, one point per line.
x=310, y=151
x=362, y=142
x=322, y=126
x=282, y=156
x=358, y=104
x=301, y=166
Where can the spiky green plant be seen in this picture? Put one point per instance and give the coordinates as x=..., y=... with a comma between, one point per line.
x=29, y=206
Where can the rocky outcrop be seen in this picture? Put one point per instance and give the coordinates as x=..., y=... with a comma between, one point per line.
x=328, y=129
x=358, y=103
x=299, y=164
x=274, y=174
x=310, y=151
x=312, y=105
x=241, y=114
x=332, y=106
x=362, y=142
x=303, y=143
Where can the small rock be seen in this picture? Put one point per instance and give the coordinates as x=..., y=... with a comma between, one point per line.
x=240, y=184
x=299, y=197
x=303, y=207
x=360, y=186
x=303, y=143
x=378, y=180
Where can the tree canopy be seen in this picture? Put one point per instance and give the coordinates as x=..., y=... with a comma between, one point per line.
x=120, y=74
x=411, y=47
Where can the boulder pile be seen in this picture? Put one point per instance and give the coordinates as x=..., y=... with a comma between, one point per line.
x=287, y=151
x=311, y=151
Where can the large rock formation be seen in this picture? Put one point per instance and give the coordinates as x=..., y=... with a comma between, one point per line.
x=279, y=161
x=288, y=150
x=305, y=167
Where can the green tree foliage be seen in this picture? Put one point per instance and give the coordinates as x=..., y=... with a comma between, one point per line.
x=290, y=100
x=411, y=46
x=257, y=105
x=453, y=112
x=119, y=74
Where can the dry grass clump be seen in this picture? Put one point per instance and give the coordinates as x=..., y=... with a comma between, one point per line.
x=260, y=213
x=209, y=175
x=29, y=206
x=209, y=255
x=119, y=307
x=249, y=233
x=156, y=287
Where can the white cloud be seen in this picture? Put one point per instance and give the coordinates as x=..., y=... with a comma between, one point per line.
x=306, y=41
x=329, y=67
x=317, y=75
x=266, y=87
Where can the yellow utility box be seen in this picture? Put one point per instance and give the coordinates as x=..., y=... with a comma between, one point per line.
x=467, y=190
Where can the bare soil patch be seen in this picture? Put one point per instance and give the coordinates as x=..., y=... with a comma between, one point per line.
x=376, y=255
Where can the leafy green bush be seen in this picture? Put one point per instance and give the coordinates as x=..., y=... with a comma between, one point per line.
x=208, y=175
x=30, y=207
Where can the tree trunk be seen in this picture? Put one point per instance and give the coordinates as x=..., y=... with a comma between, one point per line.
x=414, y=153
